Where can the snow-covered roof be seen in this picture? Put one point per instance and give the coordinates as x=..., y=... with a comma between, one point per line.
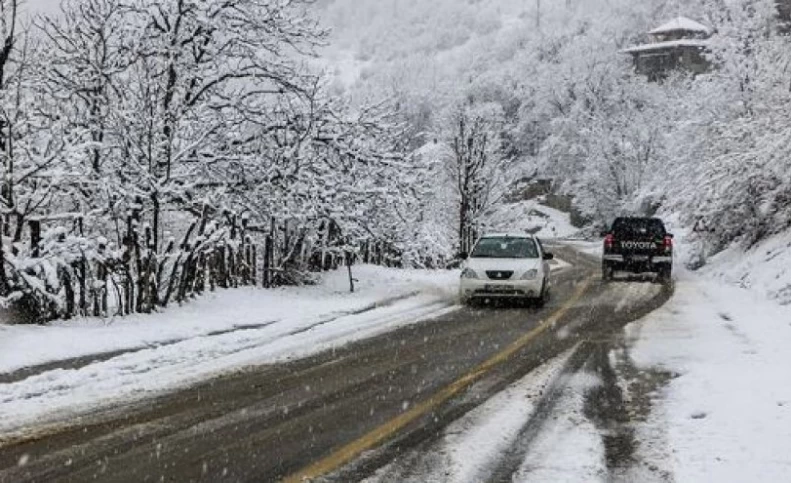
x=692, y=43
x=681, y=24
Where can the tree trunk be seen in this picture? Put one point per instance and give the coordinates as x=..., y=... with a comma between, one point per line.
x=267, y=276
x=66, y=280
x=349, y=261
x=4, y=286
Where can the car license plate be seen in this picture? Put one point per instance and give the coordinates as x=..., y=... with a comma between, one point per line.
x=640, y=258
x=498, y=288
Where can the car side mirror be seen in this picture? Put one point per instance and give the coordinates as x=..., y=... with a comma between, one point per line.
x=464, y=255
x=604, y=233
x=670, y=235
x=549, y=256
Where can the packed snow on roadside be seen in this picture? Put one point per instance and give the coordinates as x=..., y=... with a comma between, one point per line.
x=26, y=345
x=727, y=414
x=219, y=332
x=532, y=217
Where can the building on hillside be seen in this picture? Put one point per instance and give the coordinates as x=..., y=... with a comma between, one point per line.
x=678, y=44
x=784, y=13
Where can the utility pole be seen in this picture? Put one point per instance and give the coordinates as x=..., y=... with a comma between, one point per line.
x=538, y=14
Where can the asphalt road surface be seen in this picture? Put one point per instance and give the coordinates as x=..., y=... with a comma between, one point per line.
x=339, y=415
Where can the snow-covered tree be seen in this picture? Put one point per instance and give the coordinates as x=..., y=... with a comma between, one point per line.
x=476, y=164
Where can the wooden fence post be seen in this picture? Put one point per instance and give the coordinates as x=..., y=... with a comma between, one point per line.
x=248, y=263
x=4, y=286
x=349, y=261
x=254, y=264
x=268, y=259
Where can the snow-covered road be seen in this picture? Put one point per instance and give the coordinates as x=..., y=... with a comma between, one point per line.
x=48, y=374
x=552, y=425
x=696, y=391
x=383, y=358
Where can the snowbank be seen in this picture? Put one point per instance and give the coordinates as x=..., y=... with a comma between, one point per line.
x=24, y=345
x=727, y=414
x=765, y=268
x=135, y=357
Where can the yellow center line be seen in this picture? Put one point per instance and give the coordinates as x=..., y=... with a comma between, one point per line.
x=386, y=431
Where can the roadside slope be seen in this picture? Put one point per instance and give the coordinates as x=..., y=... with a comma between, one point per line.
x=726, y=412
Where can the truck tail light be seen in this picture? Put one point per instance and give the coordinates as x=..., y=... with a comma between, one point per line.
x=667, y=243
x=609, y=241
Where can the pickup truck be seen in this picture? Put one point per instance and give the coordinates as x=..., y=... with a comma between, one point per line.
x=638, y=245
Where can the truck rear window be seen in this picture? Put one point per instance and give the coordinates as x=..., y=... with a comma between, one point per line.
x=626, y=227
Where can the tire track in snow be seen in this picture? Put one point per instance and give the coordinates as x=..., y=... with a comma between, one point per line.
x=604, y=402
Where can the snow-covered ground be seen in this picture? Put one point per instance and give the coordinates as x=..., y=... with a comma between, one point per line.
x=219, y=332
x=224, y=310
x=765, y=268
x=568, y=449
x=724, y=337
x=532, y=217
x=727, y=414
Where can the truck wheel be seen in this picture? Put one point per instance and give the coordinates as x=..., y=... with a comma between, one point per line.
x=665, y=275
x=607, y=273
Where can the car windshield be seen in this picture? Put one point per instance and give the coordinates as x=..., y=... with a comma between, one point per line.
x=505, y=247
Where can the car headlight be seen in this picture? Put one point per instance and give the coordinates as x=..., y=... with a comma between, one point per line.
x=469, y=273
x=530, y=274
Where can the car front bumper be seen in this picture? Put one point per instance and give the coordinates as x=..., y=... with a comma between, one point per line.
x=475, y=288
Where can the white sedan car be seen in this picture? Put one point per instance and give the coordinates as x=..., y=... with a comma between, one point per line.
x=506, y=266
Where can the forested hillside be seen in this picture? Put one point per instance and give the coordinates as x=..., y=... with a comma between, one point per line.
x=709, y=151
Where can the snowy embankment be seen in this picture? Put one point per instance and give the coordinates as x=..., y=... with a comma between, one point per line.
x=75, y=366
x=726, y=413
x=532, y=217
x=766, y=268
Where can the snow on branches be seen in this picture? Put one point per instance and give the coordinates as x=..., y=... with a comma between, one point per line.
x=131, y=124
